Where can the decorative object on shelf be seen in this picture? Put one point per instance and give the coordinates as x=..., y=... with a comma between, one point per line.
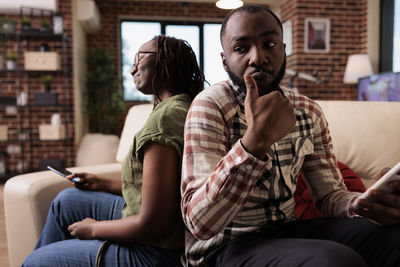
x=11, y=62
x=55, y=119
x=317, y=35
x=7, y=100
x=104, y=99
x=22, y=99
x=22, y=166
x=51, y=132
x=3, y=156
x=46, y=97
x=1, y=62
x=7, y=25
x=23, y=134
x=26, y=23
x=13, y=149
x=358, y=66
x=3, y=132
x=44, y=48
x=45, y=24
x=42, y=61
x=46, y=81
x=58, y=23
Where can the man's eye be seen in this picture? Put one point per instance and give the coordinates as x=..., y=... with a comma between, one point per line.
x=238, y=49
x=270, y=44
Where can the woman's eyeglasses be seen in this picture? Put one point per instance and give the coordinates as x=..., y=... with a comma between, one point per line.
x=140, y=55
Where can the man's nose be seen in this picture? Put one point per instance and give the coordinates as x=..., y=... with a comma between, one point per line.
x=257, y=57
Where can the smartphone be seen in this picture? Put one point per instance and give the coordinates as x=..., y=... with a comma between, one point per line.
x=64, y=173
x=382, y=183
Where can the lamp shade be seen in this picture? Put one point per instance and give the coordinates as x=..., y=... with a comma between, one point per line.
x=358, y=66
x=229, y=4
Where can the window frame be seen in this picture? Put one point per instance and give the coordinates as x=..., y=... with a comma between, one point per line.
x=386, y=33
x=164, y=23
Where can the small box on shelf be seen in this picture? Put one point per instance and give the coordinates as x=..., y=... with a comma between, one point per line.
x=51, y=132
x=3, y=132
x=46, y=99
x=42, y=61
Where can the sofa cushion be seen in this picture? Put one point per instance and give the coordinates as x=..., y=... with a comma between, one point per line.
x=97, y=148
x=304, y=205
x=365, y=135
x=134, y=121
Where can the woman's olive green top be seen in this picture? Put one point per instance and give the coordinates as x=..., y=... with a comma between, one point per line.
x=164, y=126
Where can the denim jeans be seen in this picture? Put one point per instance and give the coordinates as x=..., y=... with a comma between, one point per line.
x=56, y=247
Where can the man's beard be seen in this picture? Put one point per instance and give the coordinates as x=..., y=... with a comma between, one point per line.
x=261, y=91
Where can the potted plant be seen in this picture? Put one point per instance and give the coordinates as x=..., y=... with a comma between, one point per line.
x=26, y=23
x=11, y=62
x=46, y=80
x=7, y=25
x=45, y=25
x=104, y=98
x=22, y=134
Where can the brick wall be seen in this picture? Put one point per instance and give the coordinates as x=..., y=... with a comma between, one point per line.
x=32, y=151
x=348, y=35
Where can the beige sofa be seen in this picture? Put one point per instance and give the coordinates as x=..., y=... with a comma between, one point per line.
x=366, y=137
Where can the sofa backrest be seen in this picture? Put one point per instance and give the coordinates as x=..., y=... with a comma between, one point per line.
x=365, y=135
x=134, y=121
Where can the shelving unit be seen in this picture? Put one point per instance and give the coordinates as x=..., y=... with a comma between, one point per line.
x=32, y=149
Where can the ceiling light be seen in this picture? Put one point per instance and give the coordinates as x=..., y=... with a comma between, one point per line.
x=229, y=4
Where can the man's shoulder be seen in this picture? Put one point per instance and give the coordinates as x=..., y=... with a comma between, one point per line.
x=219, y=94
x=300, y=101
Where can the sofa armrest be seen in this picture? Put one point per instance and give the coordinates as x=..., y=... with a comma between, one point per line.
x=27, y=200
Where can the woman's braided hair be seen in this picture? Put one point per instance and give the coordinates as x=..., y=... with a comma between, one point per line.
x=176, y=67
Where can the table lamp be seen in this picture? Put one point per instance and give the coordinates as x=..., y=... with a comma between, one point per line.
x=358, y=66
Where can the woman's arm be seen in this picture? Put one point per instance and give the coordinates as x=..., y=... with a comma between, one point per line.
x=159, y=202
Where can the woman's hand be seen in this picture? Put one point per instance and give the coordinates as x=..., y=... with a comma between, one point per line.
x=92, y=182
x=88, y=181
x=83, y=229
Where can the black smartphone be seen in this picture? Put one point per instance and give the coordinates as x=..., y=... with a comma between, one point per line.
x=64, y=173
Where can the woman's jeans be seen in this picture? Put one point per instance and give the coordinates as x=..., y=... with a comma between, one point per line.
x=56, y=247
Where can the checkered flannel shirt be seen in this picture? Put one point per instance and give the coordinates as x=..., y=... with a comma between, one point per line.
x=227, y=192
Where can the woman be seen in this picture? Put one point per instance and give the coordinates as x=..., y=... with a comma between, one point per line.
x=143, y=227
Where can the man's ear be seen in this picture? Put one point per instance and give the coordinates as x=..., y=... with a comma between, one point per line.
x=224, y=61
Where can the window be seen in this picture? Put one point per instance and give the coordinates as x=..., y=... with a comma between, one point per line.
x=202, y=37
x=390, y=36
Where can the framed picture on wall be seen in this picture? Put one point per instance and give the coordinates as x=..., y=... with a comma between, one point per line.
x=317, y=35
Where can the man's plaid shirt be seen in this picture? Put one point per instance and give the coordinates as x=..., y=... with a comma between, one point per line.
x=227, y=192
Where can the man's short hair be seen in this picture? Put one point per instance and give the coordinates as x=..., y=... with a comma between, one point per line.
x=247, y=9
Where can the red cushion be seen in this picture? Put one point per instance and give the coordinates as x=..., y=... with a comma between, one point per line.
x=304, y=206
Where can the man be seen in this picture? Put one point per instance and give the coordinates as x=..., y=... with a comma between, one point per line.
x=246, y=141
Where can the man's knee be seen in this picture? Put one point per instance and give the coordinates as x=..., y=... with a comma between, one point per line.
x=287, y=252
x=328, y=253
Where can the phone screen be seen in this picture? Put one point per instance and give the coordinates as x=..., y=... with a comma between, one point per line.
x=60, y=171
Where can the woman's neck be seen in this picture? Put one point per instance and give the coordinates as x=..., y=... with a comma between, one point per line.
x=164, y=95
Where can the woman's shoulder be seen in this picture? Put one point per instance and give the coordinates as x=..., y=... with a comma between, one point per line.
x=171, y=113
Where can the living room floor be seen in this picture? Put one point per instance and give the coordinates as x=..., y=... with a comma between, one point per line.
x=3, y=238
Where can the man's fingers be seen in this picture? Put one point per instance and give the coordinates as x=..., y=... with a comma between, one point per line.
x=251, y=86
